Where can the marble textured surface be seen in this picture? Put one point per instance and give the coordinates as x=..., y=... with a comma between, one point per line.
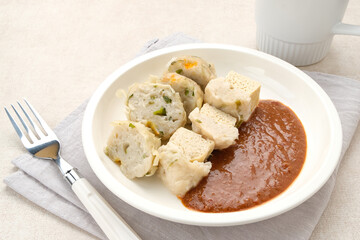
x=56, y=53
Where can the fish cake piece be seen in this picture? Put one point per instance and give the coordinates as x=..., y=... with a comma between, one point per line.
x=194, y=146
x=157, y=106
x=194, y=68
x=176, y=171
x=236, y=95
x=214, y=124
x=133, y=146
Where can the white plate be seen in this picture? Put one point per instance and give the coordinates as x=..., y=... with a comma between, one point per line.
x=279, y=80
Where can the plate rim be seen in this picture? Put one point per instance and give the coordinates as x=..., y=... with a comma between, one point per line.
x=194, y=217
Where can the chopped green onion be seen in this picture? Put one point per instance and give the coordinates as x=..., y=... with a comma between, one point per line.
x=153, y=97
x=186, y=91
x=131, y=125
x=172, y=63
x=106, y=151
x=238, y=123
x=199, y=121
x=161, y=133
x=151, y=102
x=238, y=103
x=193, y=93
x=161, y=112
x=167, y=99
x=179, y=71
x=131, y=96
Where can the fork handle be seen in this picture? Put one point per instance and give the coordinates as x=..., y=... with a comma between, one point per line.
x=114, y=227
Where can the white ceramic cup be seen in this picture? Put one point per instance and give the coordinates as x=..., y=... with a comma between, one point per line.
x=300, y=31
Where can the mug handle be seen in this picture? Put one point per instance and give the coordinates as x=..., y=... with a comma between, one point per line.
x=346, y=29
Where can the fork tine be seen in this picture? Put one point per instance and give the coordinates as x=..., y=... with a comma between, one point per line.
x=36, y=128
x=17, y=129
x=31, y=134
x=39, y=118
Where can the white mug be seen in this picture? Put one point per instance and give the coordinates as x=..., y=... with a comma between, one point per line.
x=300, y=31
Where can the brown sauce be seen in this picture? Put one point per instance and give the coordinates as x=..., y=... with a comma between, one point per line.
x=265, y=160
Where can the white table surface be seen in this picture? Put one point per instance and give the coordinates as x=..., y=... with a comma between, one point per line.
x=56, y=53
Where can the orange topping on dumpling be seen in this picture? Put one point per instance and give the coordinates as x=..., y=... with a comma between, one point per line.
x=173, y=78
x=189, y=64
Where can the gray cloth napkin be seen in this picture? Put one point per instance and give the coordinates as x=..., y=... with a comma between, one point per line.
x=40, y=181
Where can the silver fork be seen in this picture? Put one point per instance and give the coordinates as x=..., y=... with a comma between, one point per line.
x=45, y=145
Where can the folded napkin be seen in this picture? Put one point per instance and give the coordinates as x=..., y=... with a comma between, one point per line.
x=40, y=181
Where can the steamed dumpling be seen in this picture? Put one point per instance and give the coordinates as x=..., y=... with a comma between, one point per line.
x=190, y=92
x=178, y=173
x=133, y=146
x=182, y=161
x=194, y=68
x=158, y=106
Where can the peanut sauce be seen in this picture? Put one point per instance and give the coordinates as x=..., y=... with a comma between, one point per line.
x=264, y=161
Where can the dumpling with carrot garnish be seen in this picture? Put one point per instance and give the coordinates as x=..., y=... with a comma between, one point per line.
x=194, y=68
